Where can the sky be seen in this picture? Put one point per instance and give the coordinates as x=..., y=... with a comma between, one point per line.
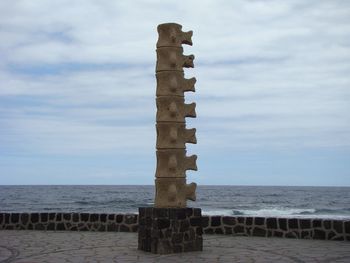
x=77, y=91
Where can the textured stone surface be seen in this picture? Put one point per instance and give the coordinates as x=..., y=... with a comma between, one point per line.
x=172, y=111
x=171, y=35
x=170, y=230
x=41, y=246
x=174, y=163
x=173, y=192
x=173, y=83
x=174, y=135
x=229, y=225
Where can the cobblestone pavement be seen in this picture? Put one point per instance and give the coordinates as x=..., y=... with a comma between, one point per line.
x=39, y=246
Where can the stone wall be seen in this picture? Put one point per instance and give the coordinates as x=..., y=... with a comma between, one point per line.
x=69, y=221
x=328, y=229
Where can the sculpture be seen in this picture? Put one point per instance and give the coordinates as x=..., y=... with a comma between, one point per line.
x=172, y=135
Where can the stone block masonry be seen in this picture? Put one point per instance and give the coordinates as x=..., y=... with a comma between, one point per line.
x=170, y=230
x=69, y=222
x=309, y=228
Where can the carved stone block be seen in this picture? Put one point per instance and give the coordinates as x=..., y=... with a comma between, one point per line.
x=173, y=108
x=173, y=192
x=174, y=135
x=173, y=83
x=171, y=35
x=172, y=58
x=174, y=163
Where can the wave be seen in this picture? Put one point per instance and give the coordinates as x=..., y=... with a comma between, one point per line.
x=301, y=212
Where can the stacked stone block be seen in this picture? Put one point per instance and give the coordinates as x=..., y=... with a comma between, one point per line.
x=170, y=230
x=69, y=222
x=172, y=134
x=301, y=228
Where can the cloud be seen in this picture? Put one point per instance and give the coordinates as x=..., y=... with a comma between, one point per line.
x=78, y=77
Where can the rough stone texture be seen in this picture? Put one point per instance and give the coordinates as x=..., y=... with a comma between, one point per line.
x=229, y=225
x=170, y=230
x=49, y=246
x=174, y=163
x=69, y=222
x=172, y=191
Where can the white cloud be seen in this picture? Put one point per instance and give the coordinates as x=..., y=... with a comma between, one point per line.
x=270, y=73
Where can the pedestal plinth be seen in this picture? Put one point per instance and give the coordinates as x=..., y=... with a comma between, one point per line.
x=170, y=230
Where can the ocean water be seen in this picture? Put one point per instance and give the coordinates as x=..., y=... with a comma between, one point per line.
x=322, y=202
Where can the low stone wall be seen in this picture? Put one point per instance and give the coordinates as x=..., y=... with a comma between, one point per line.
x=69, y=221
x=327, y=229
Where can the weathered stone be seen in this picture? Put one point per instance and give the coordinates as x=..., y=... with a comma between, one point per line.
x=305, y=234
x=259, y=221
x=24, y=218
x=293, y=223
x=172, y=135
x=44, y=217
x=305, y=223
x=347, y=227
x=52, y=216
x=338, y=226
x=7, y=218
x=59, y=217
x=205, y=221
x=130, y=219
x=171, y=35
x=218, y=231
x=229, y=220
x=173, y=108
x=119, y=218
x=215, y=220
x=174, y=163
x=168, y=234
x=196, y=221
x=260, y=232
x=173, y=192
x=75, y=217
x=34, y=218
x=319, y=234
x=173, y=83
x=84, y=217
x=94, y=217
x=15, y=218
x=282, y=222
x=238, y=230
x=316, y=223
x=103, y=218
x=271, y=223
x=170, y=58
x=249, y=221
x=327, y=224
x=241, y=220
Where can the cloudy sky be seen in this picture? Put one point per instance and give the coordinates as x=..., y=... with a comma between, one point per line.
x=77, y=91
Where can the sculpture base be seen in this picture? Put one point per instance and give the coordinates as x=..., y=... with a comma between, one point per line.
x=170, y=230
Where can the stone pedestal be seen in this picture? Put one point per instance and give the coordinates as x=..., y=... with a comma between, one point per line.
x=170, y=230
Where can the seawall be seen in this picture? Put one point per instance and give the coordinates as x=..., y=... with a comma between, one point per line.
x=305, y=228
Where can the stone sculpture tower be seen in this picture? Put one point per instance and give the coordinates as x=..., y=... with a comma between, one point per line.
x=172, y=135
x=170, y=226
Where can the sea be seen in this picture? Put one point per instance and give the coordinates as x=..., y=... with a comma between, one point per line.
x=275, y=201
